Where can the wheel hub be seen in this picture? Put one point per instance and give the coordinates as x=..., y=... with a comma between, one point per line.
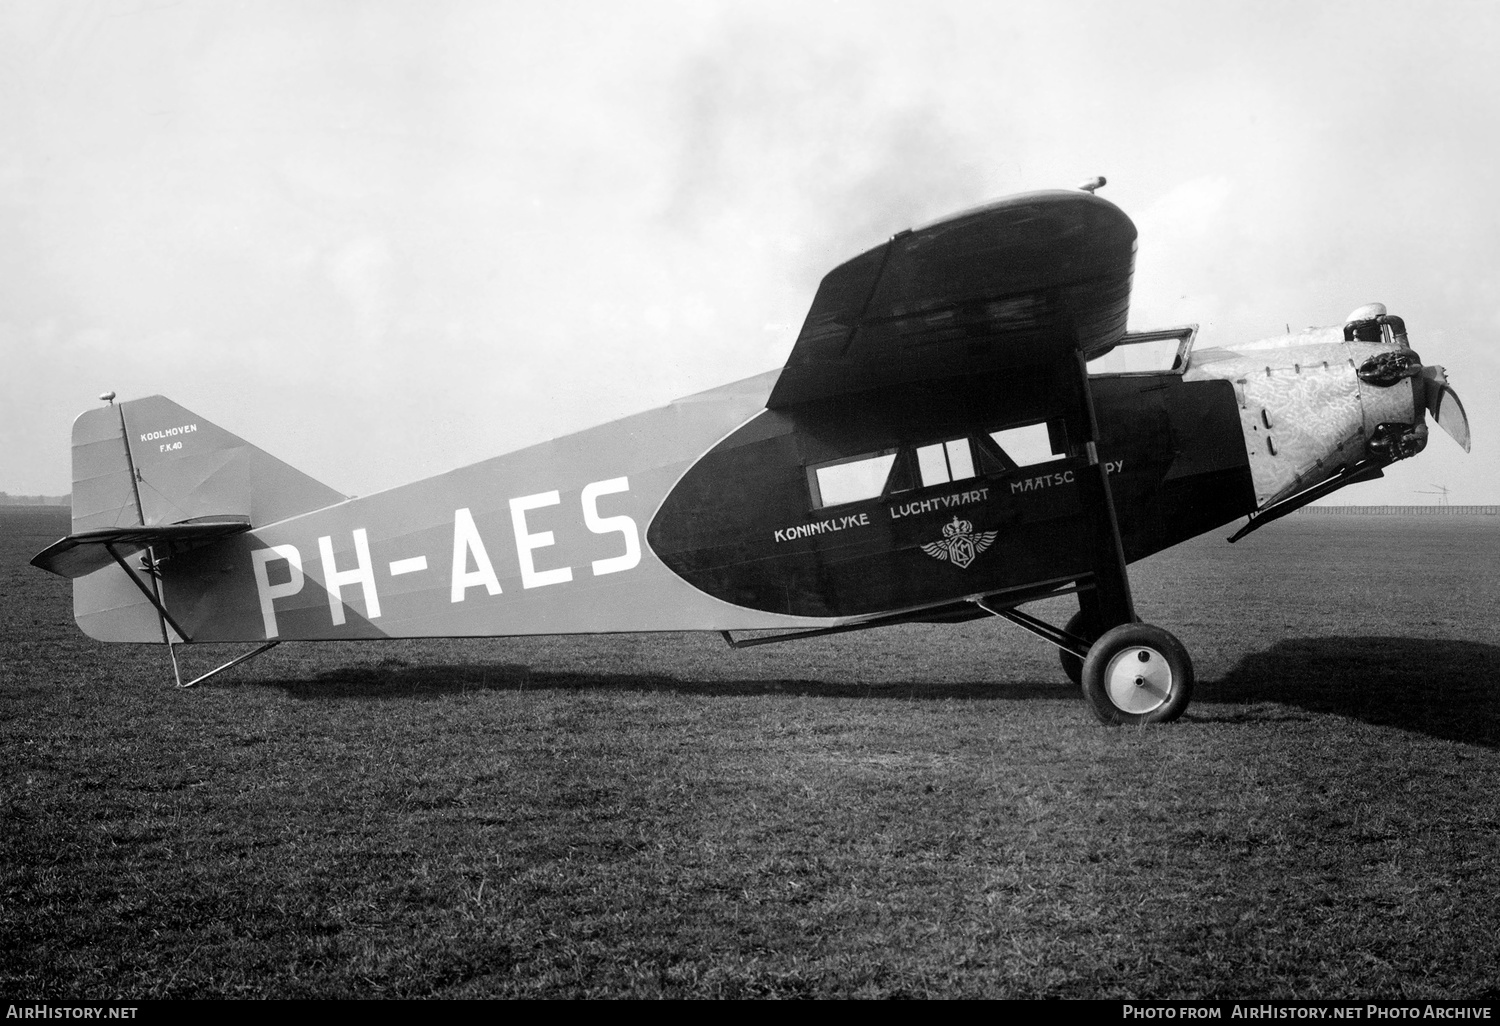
x=1138, y=680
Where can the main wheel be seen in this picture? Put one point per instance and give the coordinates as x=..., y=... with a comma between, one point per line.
x=1084, y=628
x=1137, y=673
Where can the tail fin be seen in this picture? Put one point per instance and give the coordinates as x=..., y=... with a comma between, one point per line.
x=150, y=475
x=149, y=462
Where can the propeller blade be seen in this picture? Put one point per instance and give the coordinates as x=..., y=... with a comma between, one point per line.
x=1444, y=405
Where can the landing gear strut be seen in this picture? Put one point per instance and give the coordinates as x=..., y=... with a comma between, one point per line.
x=1081, y=625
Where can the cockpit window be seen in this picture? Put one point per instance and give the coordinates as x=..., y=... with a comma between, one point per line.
x=851, y=480
x=1027, y=446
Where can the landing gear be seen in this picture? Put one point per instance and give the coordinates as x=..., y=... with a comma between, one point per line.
x=1081, y=625
x=1137, y=673
x=1133, y=673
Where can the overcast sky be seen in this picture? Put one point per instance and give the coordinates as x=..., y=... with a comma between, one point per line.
x=381, y=240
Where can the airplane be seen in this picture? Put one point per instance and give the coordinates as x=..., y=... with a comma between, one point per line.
x=936, y=449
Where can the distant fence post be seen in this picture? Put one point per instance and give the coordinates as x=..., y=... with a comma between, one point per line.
x=1404, y=511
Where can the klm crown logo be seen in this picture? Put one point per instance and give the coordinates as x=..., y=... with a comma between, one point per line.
x=960, y=545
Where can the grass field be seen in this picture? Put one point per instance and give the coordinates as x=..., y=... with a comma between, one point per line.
x=916, y=811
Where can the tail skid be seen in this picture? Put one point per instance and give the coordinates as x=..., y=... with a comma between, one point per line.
x=245, y=658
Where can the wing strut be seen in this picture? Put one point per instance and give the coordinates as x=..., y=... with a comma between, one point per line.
x=1109, y=604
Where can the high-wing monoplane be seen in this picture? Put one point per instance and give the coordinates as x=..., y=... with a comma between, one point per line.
x=937, y=448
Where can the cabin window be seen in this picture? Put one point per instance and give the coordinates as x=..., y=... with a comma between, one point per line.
x=890, y=471
x=851, y=480
x=1027, y=446
x=944, y=462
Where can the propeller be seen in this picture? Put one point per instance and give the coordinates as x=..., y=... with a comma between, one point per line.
x=1370, y=323
x=1444, y=405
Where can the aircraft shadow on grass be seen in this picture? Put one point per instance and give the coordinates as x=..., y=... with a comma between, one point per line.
x=1443, y=688
x=394, y=678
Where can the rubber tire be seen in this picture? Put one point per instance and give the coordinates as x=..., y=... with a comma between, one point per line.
x=1071, y=664
x=1166, y=659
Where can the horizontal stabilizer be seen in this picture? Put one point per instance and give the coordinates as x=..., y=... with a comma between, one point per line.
x=79, y=555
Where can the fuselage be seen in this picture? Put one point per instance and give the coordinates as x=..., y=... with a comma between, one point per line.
x=716, y=513
x=935, y=447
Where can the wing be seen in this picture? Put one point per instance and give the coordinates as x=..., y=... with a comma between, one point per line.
x=937, y=550
x=984, y=539
x=1021, y=280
